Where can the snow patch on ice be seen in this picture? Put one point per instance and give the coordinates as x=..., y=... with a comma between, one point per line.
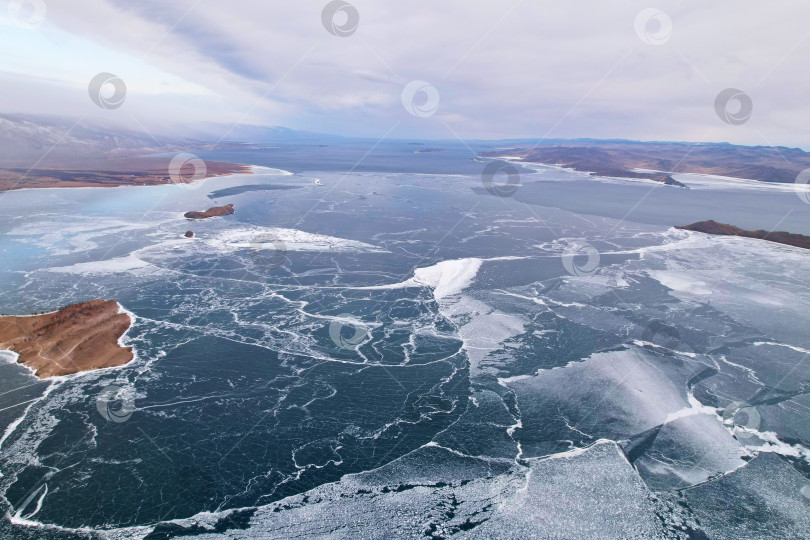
x=680, y=281
x=292, y=239
x=129, y=264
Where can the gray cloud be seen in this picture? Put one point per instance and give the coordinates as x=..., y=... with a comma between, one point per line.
x=522, y=69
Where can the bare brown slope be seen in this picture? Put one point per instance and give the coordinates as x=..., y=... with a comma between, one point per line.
x=79, y=337
x=780, y=237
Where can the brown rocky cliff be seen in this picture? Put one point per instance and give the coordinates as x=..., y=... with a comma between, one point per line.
x=780, y=237
x=78, y=337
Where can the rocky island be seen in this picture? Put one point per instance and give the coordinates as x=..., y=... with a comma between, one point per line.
x=211, y=212
x=79, y=337
x=780, y=237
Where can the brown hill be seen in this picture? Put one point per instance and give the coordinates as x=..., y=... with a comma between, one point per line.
x=781, y=237
x=78, y=337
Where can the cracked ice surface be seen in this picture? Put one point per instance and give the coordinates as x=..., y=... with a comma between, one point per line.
x=550, y=498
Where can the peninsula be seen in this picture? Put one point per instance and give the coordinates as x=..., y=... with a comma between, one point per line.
x=660, y=160
x=780, y=237
x=127, y=173
x=79, y=337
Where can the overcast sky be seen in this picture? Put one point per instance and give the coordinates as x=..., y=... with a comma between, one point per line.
x=500, y=69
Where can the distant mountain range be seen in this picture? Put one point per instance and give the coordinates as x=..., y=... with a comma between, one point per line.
x=44, y=142
x=625, y=159
x=26, y=140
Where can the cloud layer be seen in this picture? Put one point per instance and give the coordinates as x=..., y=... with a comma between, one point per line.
x=501, y=70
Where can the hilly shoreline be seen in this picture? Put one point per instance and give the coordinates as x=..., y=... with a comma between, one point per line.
x=723, y=229
x=145, y=172
x=659, y=160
